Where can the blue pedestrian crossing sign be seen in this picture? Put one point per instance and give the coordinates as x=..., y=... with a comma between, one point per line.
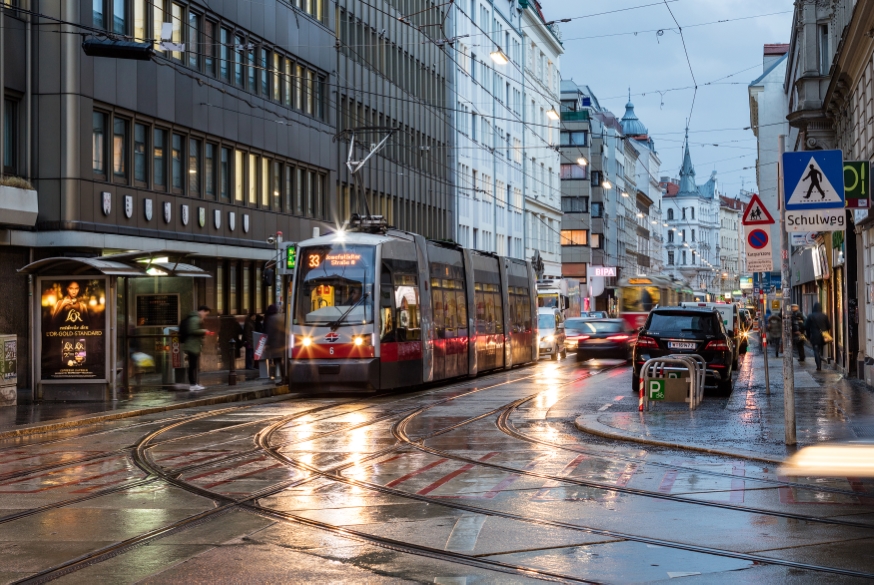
x=813, y=190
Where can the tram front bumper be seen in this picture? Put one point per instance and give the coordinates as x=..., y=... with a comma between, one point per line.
x=335, y=375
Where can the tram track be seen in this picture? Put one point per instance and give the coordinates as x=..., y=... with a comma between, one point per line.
x=225, y=503
x=334, y=474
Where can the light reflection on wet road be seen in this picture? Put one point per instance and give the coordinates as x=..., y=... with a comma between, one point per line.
x=480, y=481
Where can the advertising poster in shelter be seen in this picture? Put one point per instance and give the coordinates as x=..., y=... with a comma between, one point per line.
x=73, y=328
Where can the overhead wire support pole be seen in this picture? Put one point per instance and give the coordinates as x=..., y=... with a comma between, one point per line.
x=785, y=249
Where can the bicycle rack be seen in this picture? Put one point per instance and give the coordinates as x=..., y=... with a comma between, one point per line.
x=689, y=369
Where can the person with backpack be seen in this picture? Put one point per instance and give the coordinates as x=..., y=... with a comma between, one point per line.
x=191, y=334
x=818, y=328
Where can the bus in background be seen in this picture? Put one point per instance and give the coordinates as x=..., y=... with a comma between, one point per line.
x=641, y=294
x=562, y=294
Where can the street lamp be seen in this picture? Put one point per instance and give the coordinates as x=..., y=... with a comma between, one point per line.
x=582, y=161
x=606, y=184
x=552, y=114
x=499, y=57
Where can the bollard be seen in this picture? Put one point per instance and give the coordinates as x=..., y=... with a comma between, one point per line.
x=232, y=370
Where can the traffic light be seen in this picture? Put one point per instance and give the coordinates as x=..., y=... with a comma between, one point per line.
x=290, y=257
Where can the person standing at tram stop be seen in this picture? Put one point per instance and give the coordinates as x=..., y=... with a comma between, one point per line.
x=819, y=332
x=775, y=332
x=192, y=334
x=248, y=342
x=798, y=331
x=274, y=327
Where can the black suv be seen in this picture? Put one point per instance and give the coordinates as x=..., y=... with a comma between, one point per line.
x=677, y=330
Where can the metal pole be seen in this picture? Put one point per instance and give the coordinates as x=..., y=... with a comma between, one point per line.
x=785, y=250
x=762, y=325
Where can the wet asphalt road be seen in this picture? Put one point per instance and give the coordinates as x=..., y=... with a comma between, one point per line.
x=482, y=481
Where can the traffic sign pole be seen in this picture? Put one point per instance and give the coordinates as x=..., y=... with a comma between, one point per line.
x=788, y=374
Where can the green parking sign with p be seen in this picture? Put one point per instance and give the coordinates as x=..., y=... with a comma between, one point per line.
x=656, y=389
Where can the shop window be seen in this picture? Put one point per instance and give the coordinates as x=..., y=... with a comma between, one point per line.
x=176, y=162
x=265, y=182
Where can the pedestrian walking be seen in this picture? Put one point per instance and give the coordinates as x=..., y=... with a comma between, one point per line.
x=819, y=332
x=798, y=338
x=248, y=342
x=274, y=327
x=775, y=332
x=191, y=333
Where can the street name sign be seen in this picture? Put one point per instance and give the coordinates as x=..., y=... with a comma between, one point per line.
x=758, y=248
x=857, y=184
x=756, y=213
x=813, y=190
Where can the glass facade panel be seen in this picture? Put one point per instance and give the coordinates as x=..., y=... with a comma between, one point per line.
x=98, y=143
x=193, y=167
x=140, y=165
x=159, y=173
x=177, y=161
x=119, y=148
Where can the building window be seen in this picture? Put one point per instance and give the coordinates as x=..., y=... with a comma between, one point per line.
x=157, y=23
x=265, y=73
x=253, y=69
x=693, y=235
x=193, y=167
x=572, y=172
x=176, y=155
x=597, y=209
x=692, y=211
x=320, y=199
x=320, y=97
x=10, y=136
x=597, y=178
x=209, y=168
x=119, y=149
x=670, y=237
x=220, y=289
x=276, y=186
x=298, y=191
x=225, y=174
x=574, y=204
x=158, y=165
x=824, y=61
x=99, y=19
x=140, y=32
x=670, y=214
x=289, y=188
x=684, y=257
x=684, y=235
x=208, y=48
x=298, y=87
x=239, y=175
x=98, y=143
x=253, y=179
x=225, y=55
x=140, y=147
x=310, y=194
x=265, y=182
x=289, y=77
x=238, y=60
x=193, y=39
x=277, y=84
x=574, y=237
x=597, y=241
x=576, y=138
x=671, y=258
x=693, y=257
x=176, y=12
x=310, y=93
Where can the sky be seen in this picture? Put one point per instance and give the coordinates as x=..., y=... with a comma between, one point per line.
x=650, y=62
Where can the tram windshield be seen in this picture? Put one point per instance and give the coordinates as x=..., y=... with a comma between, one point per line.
x=334, y=282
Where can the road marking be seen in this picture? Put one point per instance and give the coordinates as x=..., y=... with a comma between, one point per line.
x=619, y=398
x=465, y=533
x=453, y=475
x=676, y=574
x=605, y=407
x=404, y=478
x=668, y=481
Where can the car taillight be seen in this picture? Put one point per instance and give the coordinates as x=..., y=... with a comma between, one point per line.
x=717, y=345
x=643, y=341
x=618, y=337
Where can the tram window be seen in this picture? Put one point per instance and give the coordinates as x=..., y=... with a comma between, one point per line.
x=450, y=305
x=498, y=313
x=386, y=315
x=461, y=309
x=640, y=299
x=480, y=312
x=406, y=296
x=437, y=307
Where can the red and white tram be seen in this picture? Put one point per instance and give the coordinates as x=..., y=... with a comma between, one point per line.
x=380, y=308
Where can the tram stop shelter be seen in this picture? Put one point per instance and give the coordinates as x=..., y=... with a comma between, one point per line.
x=106, y=323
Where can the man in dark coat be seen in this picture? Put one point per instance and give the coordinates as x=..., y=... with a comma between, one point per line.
x=798, y=331
x=817, y=323
x=274, y=327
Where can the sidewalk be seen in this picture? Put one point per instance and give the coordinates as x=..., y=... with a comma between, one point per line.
x=31, y=417
x=749, y=423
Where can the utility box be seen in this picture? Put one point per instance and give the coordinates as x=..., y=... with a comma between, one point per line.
x=8, y=370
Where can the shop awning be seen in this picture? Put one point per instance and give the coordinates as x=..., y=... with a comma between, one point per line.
x=130, y=264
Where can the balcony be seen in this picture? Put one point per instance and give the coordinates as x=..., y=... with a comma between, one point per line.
x=18, y=203
x=580, y=116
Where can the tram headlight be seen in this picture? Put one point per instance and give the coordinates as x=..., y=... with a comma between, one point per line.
x=306, y=341
x=358, y=340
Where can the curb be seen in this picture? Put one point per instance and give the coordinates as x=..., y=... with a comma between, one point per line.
x=100, y=418
x=655, y=442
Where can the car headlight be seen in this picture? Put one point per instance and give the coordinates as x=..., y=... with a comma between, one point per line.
x=548, y=338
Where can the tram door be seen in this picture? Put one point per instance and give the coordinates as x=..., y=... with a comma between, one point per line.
x=521, y=334
x=449, y=306
x=489, y=313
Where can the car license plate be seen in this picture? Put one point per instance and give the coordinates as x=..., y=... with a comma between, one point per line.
x=598, y=341
x=681, y=345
